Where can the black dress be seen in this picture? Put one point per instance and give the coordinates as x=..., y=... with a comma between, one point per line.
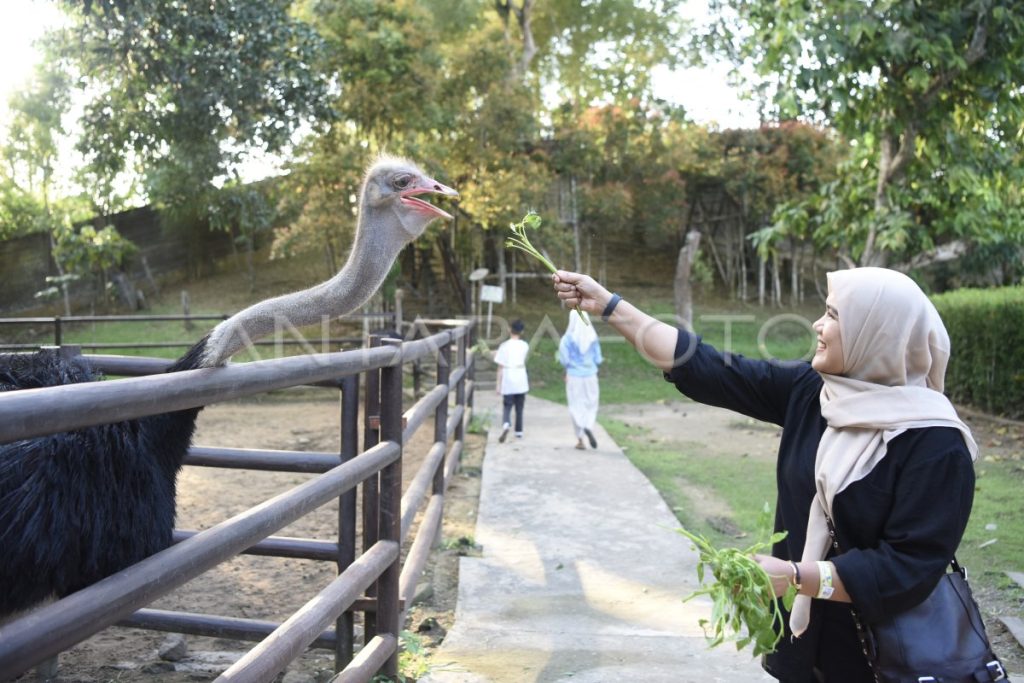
x=898, y=527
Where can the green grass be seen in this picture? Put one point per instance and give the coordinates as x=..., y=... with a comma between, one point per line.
x=997, y=500
x=672, y=466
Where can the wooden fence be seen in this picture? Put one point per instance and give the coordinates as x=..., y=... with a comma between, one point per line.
x=374, y=582
x=61, y=328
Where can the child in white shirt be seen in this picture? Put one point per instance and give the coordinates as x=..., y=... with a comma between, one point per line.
x=512, y=380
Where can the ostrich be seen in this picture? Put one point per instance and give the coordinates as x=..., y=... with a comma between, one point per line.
x=78, y=506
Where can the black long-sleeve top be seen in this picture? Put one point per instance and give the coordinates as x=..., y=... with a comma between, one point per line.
x=898, y=528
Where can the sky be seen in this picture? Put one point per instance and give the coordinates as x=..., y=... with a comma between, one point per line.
x=704, y=92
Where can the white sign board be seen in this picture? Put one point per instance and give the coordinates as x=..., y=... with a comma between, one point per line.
x=492, y=294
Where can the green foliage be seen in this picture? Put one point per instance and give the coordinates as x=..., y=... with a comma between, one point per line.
x=244, y=211
x=30, y=149
x=183, y=88
x=996, y=502
x=521, y=241
x=20, y=212
x=413, y=660
x=920, y=88
x=986, y=331
x=479, y=423
x=606, y=50
x=743, y=599
x=86, y=250
x=383, y=56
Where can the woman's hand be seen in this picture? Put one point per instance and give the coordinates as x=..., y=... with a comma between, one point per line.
x=655, y=340
x=576, y=289
x=780, y=572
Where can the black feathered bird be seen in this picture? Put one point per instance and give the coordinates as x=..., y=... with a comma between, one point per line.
x=78, y=506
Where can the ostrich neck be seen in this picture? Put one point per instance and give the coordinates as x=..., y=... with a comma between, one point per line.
x=368, y=264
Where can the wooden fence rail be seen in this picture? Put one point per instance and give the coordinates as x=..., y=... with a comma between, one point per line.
x=60, y=330
x=373, y=582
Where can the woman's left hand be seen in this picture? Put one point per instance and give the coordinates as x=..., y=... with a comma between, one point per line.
x=780, y=571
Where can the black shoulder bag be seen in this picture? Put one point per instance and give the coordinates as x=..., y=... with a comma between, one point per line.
x=941, y=640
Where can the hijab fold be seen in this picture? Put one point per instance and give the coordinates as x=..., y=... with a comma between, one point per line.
x=895, y=351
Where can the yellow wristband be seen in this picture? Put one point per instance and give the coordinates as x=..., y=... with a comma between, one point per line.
x=825, y=587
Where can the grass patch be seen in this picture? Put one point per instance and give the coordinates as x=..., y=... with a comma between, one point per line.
x=674, y=467
x=997, y=501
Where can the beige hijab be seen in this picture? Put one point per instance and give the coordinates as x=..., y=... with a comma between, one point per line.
x=895, y=350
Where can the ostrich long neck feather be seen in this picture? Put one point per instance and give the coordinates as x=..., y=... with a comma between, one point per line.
x=364, y=271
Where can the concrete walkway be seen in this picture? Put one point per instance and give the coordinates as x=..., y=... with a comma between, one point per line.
x=582, y=574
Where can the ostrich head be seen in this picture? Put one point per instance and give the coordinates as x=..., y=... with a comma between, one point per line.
x=392, y=186
x=391, y=214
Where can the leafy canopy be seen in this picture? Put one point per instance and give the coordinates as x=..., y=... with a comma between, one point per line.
x=925, y=90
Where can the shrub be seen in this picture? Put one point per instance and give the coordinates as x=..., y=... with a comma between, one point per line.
x=986, y=330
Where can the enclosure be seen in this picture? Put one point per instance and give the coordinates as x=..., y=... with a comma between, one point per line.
x=373, y=580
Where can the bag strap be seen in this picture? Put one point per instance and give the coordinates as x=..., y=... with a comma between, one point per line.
x=867, y=643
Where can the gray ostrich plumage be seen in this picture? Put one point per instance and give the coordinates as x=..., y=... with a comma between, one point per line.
x=78, y=506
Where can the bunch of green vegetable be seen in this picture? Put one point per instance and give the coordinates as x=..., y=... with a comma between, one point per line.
x=520, y=241
x=744, y=607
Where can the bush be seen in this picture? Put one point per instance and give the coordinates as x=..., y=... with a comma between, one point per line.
x=986, y=330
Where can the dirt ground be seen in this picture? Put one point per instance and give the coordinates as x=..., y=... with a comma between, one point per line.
x=270, y=588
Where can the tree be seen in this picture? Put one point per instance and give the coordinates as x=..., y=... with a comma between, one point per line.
x=183, y=89
x=30, y=156
x=927, y=91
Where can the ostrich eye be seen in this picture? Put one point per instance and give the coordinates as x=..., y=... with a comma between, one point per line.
x=402, y=181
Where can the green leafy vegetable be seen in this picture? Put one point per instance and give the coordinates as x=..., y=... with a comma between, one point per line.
x=744, y=607
x=520, y=241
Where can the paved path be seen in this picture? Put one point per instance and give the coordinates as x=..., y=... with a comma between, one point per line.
x=582, y=574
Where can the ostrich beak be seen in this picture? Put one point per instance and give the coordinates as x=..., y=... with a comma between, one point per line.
x=427, y=185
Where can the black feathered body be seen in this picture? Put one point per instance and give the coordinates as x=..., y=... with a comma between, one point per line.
x=78, y=506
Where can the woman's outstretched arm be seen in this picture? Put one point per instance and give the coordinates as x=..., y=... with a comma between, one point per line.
x=655, y=340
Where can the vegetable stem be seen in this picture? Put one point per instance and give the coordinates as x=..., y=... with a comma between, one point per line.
x=521, y=241
x=744, y=606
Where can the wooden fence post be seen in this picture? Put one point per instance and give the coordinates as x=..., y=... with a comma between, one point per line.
x=371, y=437
x=388, y=600
x=344, y=648
x=444, y=365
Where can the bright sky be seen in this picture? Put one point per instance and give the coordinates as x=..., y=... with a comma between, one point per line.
x=703, y=92
x=24, y=21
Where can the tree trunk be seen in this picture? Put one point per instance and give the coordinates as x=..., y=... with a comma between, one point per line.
x=683, y=286
x=794, y=276
x=760, y=280
x=453, y=271
x=776, y=282
x=61, y=274
x=499, y=251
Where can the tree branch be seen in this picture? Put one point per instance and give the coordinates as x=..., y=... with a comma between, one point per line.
x=529, y=46
x=898, y=162
x=939, y=254
x=975, y=53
